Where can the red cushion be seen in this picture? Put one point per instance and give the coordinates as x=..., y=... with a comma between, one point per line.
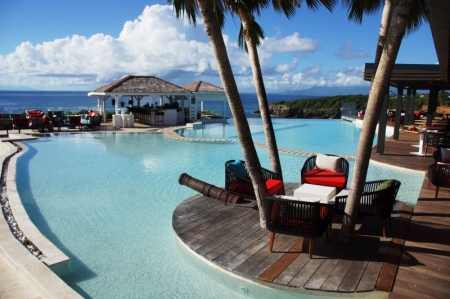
x=273, y=186
x=324, y=178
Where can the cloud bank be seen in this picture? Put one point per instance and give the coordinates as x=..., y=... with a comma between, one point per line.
x=158, y=44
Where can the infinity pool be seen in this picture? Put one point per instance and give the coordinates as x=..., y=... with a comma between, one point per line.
x=106, y=200
x=306, y=135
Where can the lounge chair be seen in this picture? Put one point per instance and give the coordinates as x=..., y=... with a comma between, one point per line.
x=377, y=201
x=74, y=121
x=21, y=123
x=238, y=181
x=325, y=170
x=6, y=124
x=298, y=218
x=91, y=122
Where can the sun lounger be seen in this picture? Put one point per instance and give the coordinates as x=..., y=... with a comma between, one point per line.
x=6, y=124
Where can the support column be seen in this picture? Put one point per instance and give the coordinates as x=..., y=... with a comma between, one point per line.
x=432, y=105
x=398, y=112
x=382, y=126
x=413, y=105
x=409, y=114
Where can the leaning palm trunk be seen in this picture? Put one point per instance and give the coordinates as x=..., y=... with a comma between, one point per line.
x=385, y=22
x=269, y=132
x=214, y=33
x=379, y=89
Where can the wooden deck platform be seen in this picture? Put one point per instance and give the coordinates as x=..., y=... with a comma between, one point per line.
x=413, y=262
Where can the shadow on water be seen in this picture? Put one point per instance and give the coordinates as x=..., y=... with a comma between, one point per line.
x=75, y=271
x=277, y=129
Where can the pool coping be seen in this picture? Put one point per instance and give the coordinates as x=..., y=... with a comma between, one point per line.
x=36, y=273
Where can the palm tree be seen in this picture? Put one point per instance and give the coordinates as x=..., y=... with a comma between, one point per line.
x=250, y=37
x=398, y=15
x=213, y=18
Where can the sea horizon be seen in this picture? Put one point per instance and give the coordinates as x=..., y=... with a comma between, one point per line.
x=18, y=101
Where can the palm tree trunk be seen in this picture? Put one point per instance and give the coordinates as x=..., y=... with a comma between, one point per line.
x=380, y=87
x=385, y=23
x=258, y=80
x=214, y=33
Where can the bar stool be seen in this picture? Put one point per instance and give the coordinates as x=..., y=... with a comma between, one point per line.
x=159, y=118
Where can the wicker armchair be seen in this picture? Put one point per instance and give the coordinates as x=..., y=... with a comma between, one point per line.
x=238, y=181
x=377, y=201
x=311, y=175
x=298, y=218
x=439, y=175
x=435, y=142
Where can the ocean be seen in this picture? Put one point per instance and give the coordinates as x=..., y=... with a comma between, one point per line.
x=19, y=101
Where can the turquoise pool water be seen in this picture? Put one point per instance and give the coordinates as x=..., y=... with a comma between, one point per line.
x=106, y=199
x=306, y=135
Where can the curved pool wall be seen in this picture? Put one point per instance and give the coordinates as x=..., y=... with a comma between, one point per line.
x=106, y=200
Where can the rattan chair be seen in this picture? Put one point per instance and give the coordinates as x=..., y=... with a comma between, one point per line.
x=435, y=142
x=240, y=183
x=326, y=178
x=376, y=201
x=439, y=175
x=298, y=218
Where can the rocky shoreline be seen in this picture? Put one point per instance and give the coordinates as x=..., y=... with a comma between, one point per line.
x=283, y=111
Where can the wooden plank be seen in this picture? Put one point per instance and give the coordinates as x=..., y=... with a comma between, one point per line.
x=319, y=256
x=422, y=287
x=285, y=277
x=260, y=262
x=388, y=271
x=220, y=236
x=243, y=252
x=284, y=262
x=251, y=234
x=223, y=221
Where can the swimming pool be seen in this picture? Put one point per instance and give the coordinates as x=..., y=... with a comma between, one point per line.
x=106, y=200
x=306, y=135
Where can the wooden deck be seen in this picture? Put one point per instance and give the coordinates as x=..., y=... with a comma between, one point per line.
x=413, y=262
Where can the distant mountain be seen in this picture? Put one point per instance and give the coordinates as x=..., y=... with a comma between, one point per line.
x=326, y=91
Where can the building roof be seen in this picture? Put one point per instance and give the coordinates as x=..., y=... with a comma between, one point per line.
x=201, y=86
x=140, y=85
x=415, y=76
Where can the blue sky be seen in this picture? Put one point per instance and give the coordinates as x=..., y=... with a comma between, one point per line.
x=82, y=45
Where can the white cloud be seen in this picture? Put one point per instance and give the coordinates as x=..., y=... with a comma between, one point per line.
x=156, y=43
x=291, y=43
x=287, y=67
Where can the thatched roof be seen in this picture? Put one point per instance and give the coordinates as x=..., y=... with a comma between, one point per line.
x=141, y=85
x=201, y=86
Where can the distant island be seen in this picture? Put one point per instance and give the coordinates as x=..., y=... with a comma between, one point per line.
x=326, y=107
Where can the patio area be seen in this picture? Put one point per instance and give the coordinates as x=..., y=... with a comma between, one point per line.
x=412, y=262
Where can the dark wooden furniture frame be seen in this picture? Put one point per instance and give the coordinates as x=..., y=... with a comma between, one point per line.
x=373, y=204
x=298, y=218
x=439, y=176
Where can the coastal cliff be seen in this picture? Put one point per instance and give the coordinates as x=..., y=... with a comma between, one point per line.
x=324, y=108
x=284, y=111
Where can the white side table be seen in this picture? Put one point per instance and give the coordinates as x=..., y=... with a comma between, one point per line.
x=325, y=193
